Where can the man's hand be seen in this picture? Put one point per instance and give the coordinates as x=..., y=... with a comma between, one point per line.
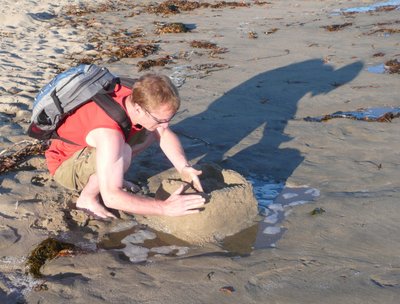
x=177, y=204
x=191, y=175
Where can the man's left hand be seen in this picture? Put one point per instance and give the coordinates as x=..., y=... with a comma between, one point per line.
x=191, y=175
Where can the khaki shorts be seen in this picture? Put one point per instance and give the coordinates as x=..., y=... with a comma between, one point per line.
x=74, y=173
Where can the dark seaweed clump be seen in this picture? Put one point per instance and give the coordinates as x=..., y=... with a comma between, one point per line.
x=203, y=44
x=174, y=27
x=317, y=211
x=147, y=64
x=393, y=66
x=140, y=50
x=92, y=8
x=252, y=35
x=46, y=250
x=386, y=8
x=176, y=6
x=336, y=27
x=214, y=48
x=12, y=159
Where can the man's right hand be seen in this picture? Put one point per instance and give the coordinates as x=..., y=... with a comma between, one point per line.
x=178, y=204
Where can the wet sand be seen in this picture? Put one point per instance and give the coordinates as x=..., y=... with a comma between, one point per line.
x=244, y=104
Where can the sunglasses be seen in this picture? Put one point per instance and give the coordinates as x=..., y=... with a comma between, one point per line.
x=157, y=120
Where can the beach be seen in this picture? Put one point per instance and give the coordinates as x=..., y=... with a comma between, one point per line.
x=251, y=76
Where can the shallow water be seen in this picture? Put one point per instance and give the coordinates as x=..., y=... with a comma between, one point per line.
x=275, y=201
x=15, y=280
x=269, y=230
x=372, y=7
x=377, y=69
x=380, y=114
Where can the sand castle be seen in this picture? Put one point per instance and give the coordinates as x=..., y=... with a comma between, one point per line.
x=230, y=208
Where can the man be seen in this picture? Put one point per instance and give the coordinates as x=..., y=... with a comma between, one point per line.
x=96, y=164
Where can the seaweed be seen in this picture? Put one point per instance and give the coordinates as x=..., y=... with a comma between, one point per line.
x=252, y=35
x=176, y=6
x=145, y=65
x=47, y=250
x=386, y=8
x=233, y=4
x=210, y=67
x=171, y=7
x=382, y=114
x=215, y=49
x=317, y=211
x=123, y=36
x=203, y=44
x=38, y=180
x=85, y=9
x=379, y=54
x=10, y=159
x=336, y=27
x=84, y=60
x=385, y=31
x=393, y=66
x=140, y=50
x=123, y=43
x=173, y=27
x=271, y=31
x=227, y=289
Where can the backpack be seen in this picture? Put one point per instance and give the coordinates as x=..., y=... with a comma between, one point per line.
x=71, y=89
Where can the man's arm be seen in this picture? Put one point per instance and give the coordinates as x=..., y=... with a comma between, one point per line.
x=113, y=157
x=172, y=148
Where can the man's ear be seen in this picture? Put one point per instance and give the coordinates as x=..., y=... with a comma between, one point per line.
x=137, y=108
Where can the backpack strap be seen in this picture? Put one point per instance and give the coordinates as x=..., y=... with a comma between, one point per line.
x=109, y=106
x=115, y=111
x=127, y=82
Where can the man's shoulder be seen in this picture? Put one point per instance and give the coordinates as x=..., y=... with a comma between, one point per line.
x=105, y=136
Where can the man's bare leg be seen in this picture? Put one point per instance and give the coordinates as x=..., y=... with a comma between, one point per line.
x=89, y=199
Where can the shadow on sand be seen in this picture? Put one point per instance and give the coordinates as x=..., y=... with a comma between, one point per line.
x=268, y=101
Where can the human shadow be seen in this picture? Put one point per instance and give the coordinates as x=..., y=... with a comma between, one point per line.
x=258, y=110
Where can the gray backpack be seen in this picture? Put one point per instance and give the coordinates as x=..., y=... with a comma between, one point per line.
x=72, y=89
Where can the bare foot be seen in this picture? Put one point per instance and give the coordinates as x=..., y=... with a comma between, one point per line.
x=93, y=206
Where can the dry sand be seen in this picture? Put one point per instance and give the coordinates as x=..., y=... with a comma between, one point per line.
x=246, y=116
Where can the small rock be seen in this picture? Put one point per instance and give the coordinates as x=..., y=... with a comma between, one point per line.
x=227, y=289
x=8, y=236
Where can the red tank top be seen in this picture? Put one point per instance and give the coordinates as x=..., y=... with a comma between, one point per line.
x=77, y=126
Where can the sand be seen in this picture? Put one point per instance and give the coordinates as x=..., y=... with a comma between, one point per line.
x=242, y=109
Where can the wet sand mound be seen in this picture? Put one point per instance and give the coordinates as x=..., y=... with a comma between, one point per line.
x=230, y=208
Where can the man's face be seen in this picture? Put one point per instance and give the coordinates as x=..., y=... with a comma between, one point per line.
x=160, y=117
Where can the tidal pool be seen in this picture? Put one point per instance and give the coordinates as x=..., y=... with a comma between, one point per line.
x=275, y=201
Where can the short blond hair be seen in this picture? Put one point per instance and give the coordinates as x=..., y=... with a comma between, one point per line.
x=152, y=90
